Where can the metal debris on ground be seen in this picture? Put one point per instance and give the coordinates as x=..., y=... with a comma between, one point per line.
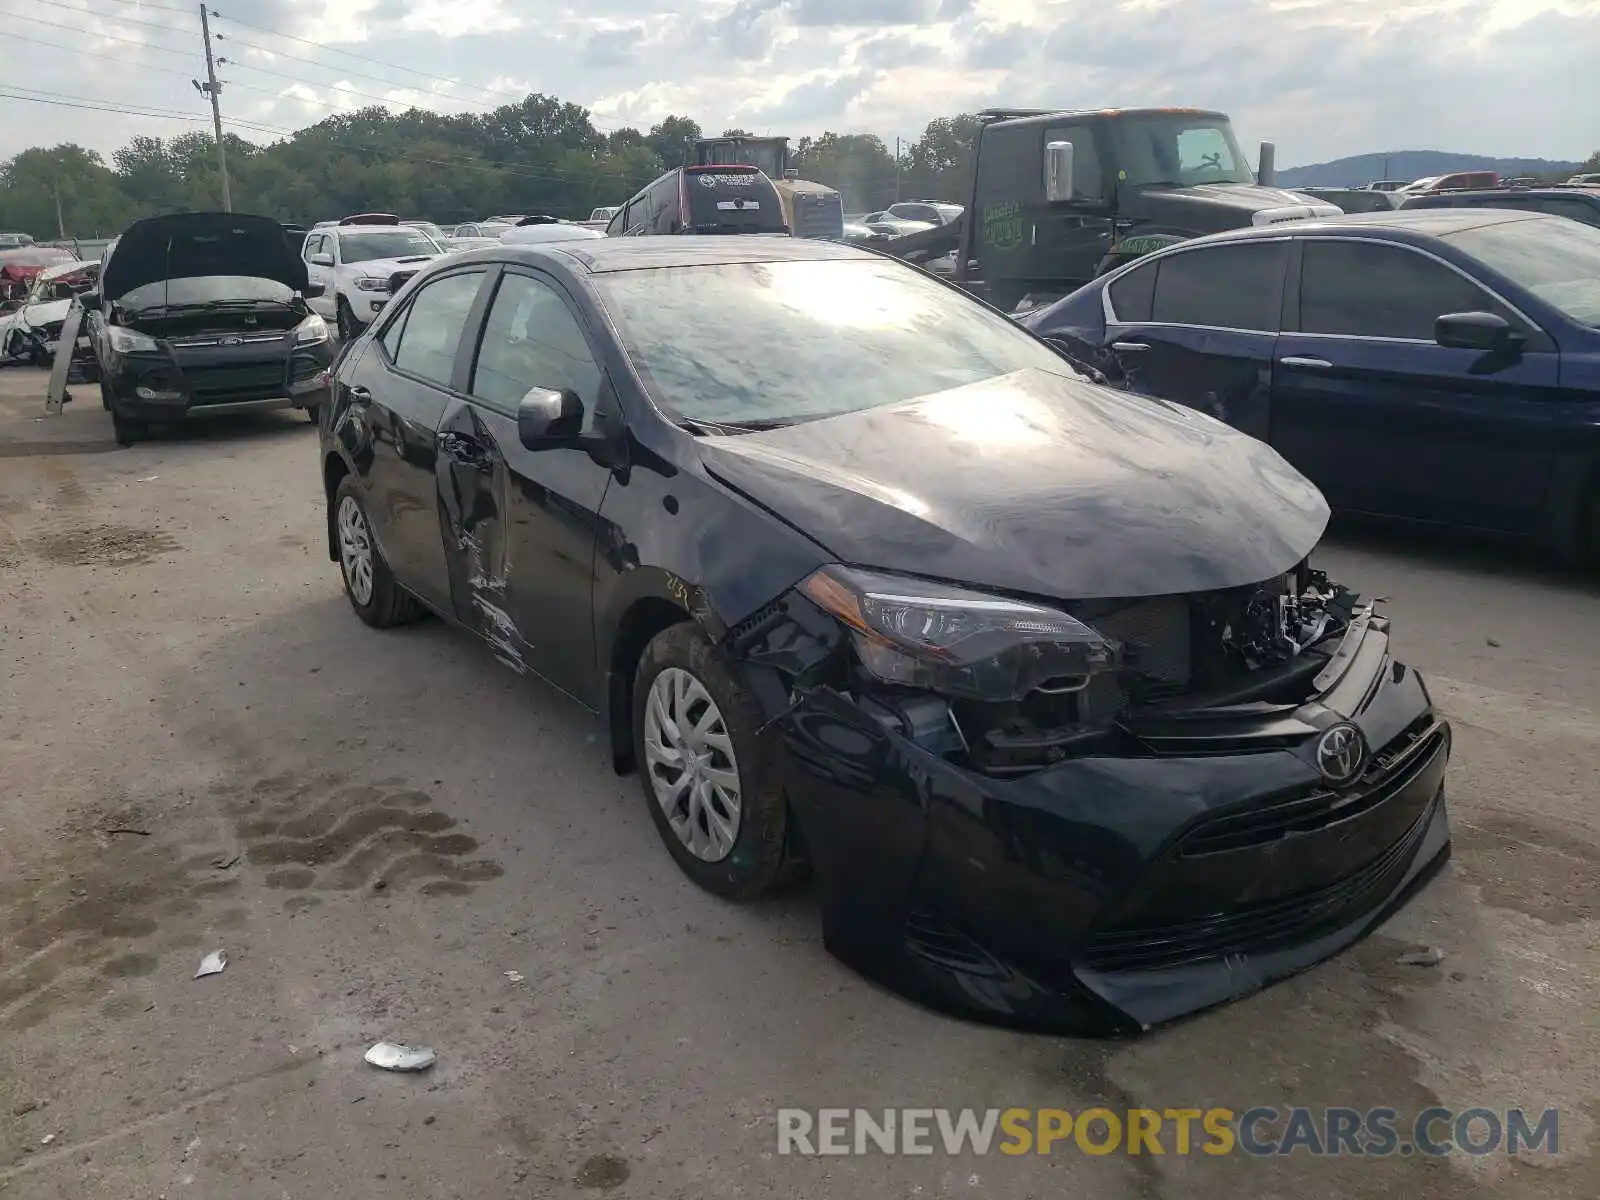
x=1431, y=957
x=391, y=1056
x=212, y=964
x=223, y=863
x=128, y=829
x=47, y=1139
x=514, y=976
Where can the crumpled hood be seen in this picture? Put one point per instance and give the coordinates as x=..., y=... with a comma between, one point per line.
x=45, y=314
x=194, y=245
x=1036, y=483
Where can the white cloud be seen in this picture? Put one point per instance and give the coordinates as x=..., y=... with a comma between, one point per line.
x=1322, y=78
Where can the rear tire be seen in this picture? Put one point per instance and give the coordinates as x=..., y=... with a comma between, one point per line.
x=369, y=584
x=687, y=705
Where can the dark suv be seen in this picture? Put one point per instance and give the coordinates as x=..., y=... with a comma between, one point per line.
x=1578, y=203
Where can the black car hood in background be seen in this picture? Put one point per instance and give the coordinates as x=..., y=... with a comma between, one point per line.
x=1038, y=483
x=201, y=244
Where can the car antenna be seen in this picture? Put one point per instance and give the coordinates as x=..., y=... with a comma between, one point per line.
x=166, y=276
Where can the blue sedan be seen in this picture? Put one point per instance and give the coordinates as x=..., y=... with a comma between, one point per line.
x=1436, y=365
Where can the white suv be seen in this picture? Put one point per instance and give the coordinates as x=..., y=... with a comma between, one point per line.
x=354, y=262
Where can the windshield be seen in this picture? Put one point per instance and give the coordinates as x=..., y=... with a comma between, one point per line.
x=391, y=243
x=789, y=341
x=1555, y=259
x=204, y=289
x=1178, y=149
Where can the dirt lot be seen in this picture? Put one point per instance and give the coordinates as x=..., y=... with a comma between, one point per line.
x=378, y=827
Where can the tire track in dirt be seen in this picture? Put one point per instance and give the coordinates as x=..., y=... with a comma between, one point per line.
x=321, y=834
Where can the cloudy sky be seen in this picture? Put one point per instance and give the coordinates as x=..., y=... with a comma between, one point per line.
x=1322, y=78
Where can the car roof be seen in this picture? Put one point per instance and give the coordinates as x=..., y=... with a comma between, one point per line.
x=1407, y=223
x=1552, y=189
x=344, y=229
x=600, y=256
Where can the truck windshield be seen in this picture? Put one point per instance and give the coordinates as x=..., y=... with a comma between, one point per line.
x=1177, y=150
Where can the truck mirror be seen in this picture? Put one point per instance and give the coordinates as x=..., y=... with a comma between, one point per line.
x=1268, y=164
x=1058, y=172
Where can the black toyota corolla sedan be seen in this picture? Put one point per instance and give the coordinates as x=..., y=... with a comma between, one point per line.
x=1038, y=678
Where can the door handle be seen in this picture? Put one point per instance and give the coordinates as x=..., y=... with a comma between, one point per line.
x=1298, y=360
x=466, y=451
x=361, y=396
x=1130, y=346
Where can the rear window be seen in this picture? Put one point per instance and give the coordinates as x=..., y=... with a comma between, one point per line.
x=732, y=201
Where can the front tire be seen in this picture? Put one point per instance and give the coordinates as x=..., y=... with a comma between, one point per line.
x=127, y=430
x=369, y=584
x=349, y=331
x=710, y=779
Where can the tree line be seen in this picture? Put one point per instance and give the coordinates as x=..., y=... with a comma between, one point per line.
x=540, y=155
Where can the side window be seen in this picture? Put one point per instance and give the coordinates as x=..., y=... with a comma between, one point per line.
x=313, y=246
x=1225, y=287
x=1133, y=295
x=1087, y=183
x=1369, y=289
x=532, y=340
x=618, y=222
x=433, y=325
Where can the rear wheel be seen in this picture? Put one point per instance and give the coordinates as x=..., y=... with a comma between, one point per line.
x=710, y=779
x=368, y=582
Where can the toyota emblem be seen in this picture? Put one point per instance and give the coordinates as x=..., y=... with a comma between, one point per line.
x=1341, y=754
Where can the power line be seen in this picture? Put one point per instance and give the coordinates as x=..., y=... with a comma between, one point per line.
x=108, y=37
x=89, y=103
x=146, y=4
x=89, y=12
x=337, y=87
x=6, y=33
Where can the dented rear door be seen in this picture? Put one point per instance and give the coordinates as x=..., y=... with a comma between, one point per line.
x=521, y=525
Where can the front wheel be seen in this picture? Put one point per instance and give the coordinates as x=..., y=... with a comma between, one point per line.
x=369, y=584
x=711, y=780
x=127, y=430
x=349, y=331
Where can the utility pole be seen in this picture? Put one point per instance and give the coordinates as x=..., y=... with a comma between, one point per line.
x=897, y=170
x=61, y=225
x=214, y=90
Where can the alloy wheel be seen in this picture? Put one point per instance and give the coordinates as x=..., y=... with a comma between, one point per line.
x=690, y=762
x=355, y=550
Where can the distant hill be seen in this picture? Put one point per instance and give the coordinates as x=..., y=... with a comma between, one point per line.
x=1413, y=164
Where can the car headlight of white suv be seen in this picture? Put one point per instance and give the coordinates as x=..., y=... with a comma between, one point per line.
x=369, y=284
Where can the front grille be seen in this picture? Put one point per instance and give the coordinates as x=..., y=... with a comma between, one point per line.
x=1395, y=766
x=220, y=385
x=1257, y=928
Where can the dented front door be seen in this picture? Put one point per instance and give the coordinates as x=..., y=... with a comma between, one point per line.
x=520, y=538
x=520, y=524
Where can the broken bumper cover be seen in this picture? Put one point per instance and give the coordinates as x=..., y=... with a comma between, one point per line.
x=174, y=385
x=1109, y=894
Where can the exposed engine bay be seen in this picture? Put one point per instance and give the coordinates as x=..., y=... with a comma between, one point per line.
x=1161, y=658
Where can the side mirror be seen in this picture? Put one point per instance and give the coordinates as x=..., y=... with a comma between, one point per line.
x=313, y=290
x=321, y=260
x=1267, y=164
x=1484, y=331
x=1058, y=172
x=548, y=420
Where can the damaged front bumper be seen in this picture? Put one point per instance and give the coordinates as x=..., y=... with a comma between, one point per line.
x=260, y=373
x=1205, y=857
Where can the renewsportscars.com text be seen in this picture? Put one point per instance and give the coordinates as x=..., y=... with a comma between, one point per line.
x=1259, y=1132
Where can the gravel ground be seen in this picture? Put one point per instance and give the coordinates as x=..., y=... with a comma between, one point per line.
x=379, y=827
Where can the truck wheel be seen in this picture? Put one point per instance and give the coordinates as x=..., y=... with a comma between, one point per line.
x=349, y=331
x=710, y=776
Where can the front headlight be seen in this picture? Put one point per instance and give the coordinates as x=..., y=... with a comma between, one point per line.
x=917, y=633
x=126, y=341
x=311, y=331
x=368, y=284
